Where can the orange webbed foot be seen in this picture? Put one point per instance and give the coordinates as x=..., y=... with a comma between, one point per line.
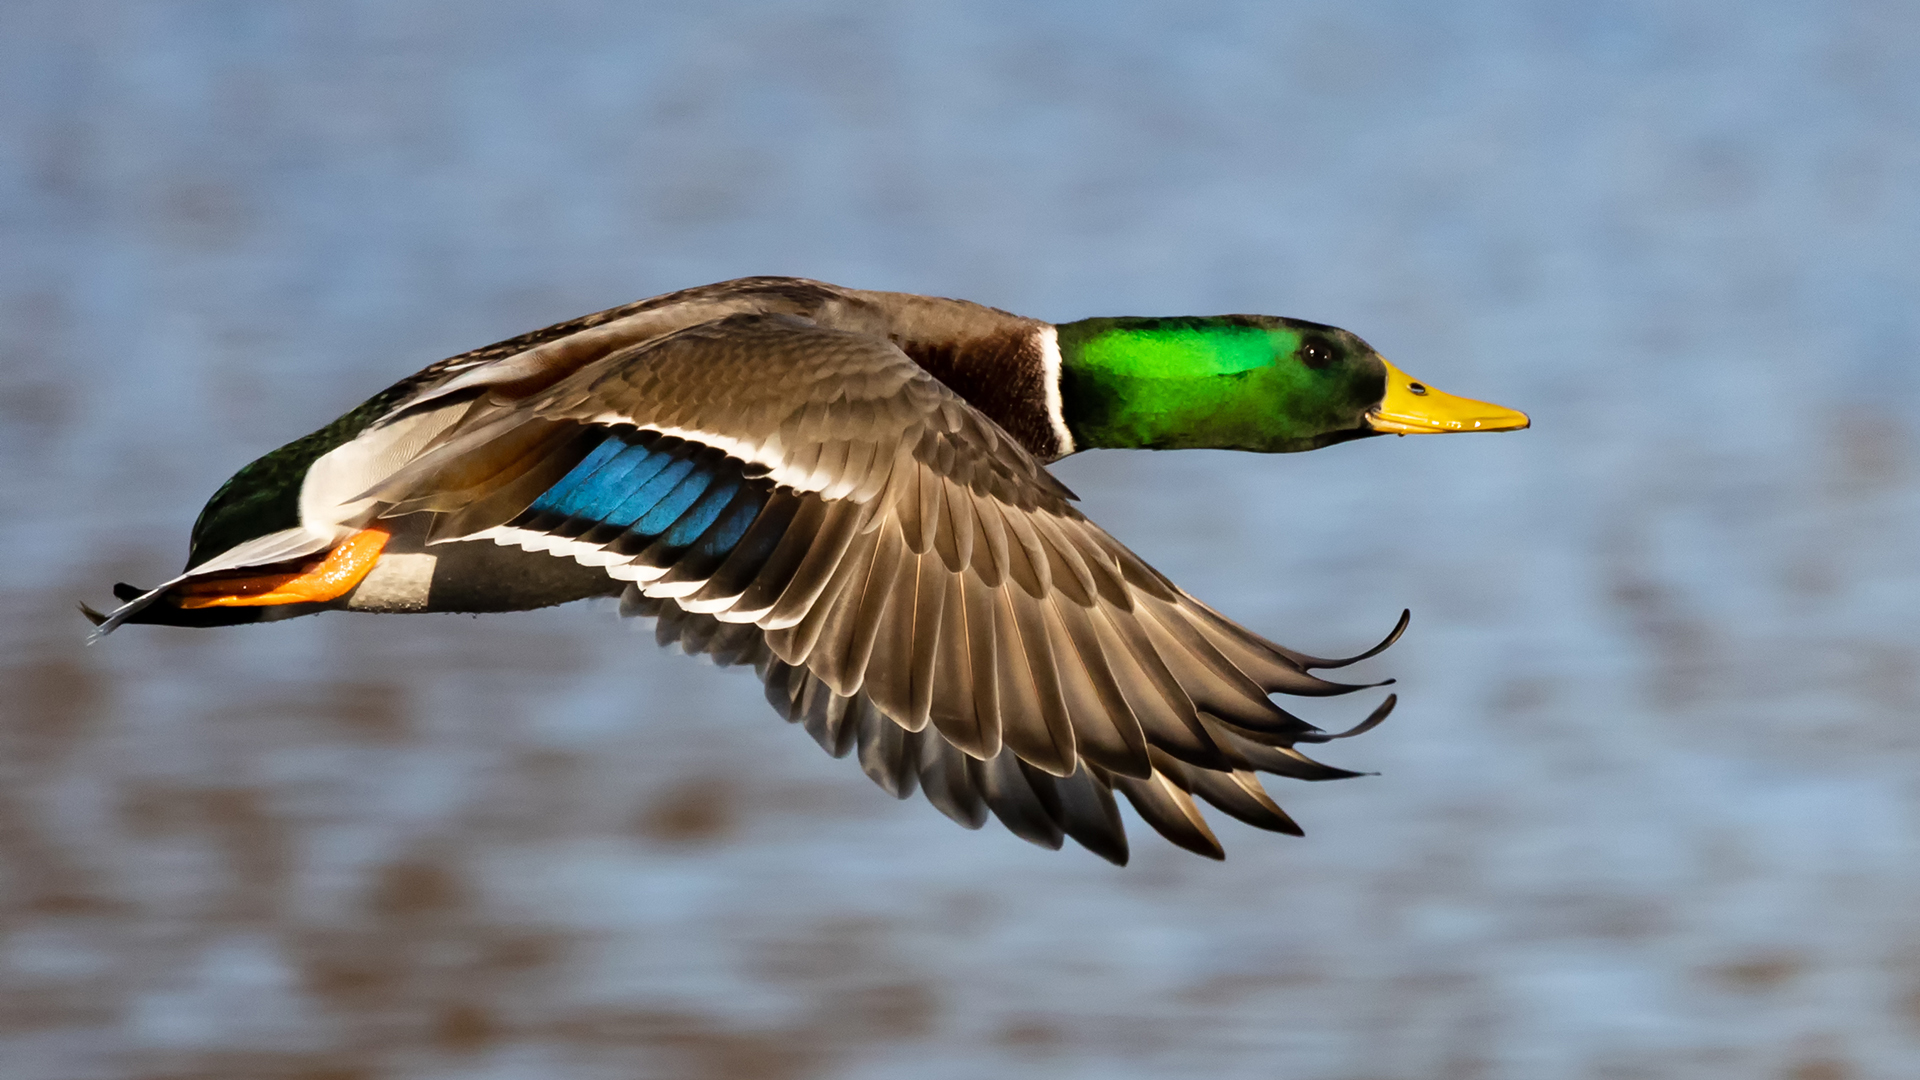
x=329, y=579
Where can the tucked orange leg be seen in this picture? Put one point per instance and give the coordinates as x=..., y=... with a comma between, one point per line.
x=329, y=579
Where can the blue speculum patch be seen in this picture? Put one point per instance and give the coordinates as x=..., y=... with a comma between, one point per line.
x=650, y=487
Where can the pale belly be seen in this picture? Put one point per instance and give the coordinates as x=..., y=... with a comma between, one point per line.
x=477, y=575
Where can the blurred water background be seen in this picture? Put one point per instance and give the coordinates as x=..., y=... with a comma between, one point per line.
x=1650, y=807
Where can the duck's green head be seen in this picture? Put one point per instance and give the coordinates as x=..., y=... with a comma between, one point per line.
x=1244, y=382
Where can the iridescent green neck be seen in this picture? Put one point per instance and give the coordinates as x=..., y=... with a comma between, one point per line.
x=1231, y=382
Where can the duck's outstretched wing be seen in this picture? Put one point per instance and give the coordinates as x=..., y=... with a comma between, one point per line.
x=910, y=572
x=1034, y=805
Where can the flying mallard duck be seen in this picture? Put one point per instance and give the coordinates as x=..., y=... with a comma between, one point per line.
x=846, y=490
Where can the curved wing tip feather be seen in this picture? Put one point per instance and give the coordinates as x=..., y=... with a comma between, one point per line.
x=1373, y=720
x=1334, y=689
x=1399, y=628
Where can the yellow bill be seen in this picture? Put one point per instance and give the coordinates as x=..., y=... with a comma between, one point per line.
x=1412, y=407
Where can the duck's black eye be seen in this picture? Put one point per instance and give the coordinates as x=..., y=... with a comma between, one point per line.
x=1316, y=353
